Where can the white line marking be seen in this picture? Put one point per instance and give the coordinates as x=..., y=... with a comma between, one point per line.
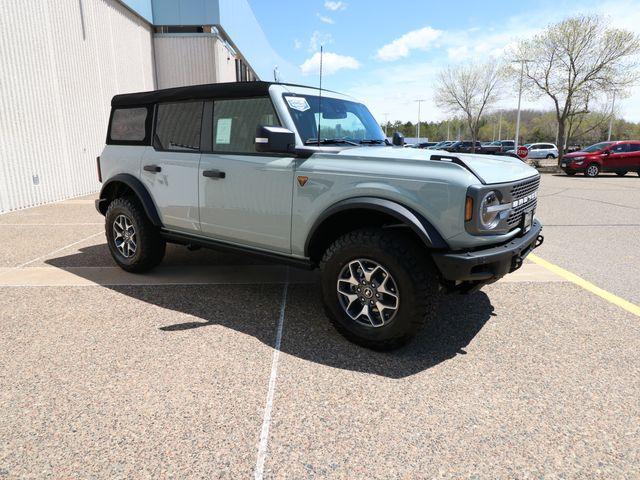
x=48, y=224
x=266, y=421
x=22, y=265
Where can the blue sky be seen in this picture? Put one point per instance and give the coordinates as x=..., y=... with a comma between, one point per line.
x=388, y=53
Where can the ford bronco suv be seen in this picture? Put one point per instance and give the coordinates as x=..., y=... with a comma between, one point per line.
x=305, y=176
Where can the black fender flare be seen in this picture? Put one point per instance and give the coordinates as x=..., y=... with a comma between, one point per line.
x=138, y=188
x=421, y=226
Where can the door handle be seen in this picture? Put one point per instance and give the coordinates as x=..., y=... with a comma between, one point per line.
x=152, y=168
x=213, y=174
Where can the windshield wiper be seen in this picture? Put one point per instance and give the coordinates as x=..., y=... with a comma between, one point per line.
x=372, y=141
x=329, y=141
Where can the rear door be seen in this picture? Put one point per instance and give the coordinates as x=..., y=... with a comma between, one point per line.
x=170, y=167
x=634, y=150
x=245, y=196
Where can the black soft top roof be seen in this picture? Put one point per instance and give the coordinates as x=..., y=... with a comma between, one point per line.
x=211, y=90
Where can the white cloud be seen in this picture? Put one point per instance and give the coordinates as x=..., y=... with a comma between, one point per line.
x=297, y=44
x=325, y=19
x=421, y=39
x=334, y=6
x=319, y=38
x=331, y=63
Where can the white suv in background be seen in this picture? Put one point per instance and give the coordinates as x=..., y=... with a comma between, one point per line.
x=542, y=150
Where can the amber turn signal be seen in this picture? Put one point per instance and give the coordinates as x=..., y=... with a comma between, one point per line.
x=468, y=209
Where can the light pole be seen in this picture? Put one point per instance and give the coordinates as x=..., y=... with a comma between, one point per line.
x=420, y=100
x=500, y=126
x=613, y=106
x=522, y=62
x=386, y=121
x=448, y=130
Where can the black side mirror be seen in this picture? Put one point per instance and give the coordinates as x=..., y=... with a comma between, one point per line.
x=607, y=152
x=398, y=139
x=275, y=140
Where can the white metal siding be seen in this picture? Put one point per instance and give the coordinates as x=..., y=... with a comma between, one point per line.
x=60, y=64
x=191, y=60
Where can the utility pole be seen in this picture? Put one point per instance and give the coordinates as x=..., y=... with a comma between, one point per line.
x=448, y=130
x=613, y=106
x=522, y=62
x=500, y=126
x=420, y=100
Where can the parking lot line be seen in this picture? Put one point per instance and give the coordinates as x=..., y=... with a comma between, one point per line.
x=581, y=282
x=266, y=421
x=22, y=265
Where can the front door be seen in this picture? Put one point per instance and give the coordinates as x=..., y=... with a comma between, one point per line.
x=619, y=158
x=170, y=167
x=245, y=196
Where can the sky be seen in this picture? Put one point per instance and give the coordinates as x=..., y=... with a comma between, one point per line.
x=387, y=53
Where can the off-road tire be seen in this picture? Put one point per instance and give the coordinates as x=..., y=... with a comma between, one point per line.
x=410, y=266
x=150, y=247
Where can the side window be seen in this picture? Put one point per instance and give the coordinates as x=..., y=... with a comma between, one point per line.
x=235, y=123
x=128, y=125
x=634, y=147
x=620, y=148
x=178, y=126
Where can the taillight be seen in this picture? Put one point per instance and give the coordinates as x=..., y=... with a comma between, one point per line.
x=99, y=169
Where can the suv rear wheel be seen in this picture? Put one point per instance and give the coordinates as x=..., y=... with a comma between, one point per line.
x=133, y=241
x=379, y=287
x=592, y=170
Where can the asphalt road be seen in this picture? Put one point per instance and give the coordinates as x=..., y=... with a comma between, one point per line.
x=217, y=366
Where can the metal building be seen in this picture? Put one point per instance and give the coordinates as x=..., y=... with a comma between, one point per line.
x=62, y=61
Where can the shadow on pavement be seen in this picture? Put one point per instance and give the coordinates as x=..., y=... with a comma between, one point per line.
x=254, y=310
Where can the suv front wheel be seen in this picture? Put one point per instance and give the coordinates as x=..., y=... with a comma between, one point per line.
x=133, y=241
x=379, y=287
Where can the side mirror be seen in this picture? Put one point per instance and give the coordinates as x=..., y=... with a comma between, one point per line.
x=398, y=139
x=275, y=140
x=607, y=152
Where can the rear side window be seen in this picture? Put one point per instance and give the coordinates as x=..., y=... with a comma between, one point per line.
x=235, y=123
x=634, y=147
x=178, y=126
x=620, y=148
x=128, y=125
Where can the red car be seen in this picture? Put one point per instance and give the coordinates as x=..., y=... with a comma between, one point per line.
x=618, y=157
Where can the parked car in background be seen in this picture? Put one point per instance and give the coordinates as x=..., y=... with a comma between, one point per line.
x=441, y=145
x=618, y=157
x=507, y=145
x=542, y=150
x=572, y=148
x=463, y=147
x=491, y=147
x=424, y=144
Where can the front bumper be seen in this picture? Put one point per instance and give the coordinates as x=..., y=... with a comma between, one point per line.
x=489, y=264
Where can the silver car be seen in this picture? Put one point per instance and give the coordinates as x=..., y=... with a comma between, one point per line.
x=542, y=150
x=278, y=172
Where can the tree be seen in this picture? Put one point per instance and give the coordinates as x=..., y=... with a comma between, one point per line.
x=574, y=61
x=469, y=90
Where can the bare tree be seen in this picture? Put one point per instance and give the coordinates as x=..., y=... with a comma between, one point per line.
x=469, y=90
x=574, y=61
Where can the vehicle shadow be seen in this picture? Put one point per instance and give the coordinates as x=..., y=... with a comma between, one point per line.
x=254, y=310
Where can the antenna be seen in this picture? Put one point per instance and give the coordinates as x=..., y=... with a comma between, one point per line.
x=320, y=97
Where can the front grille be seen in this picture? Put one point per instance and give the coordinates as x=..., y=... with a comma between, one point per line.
x=518, y=191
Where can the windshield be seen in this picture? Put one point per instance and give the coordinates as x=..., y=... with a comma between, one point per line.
x=341, y=120
x=597, y=147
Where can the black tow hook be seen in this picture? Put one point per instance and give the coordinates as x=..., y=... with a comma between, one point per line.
x=539, y=241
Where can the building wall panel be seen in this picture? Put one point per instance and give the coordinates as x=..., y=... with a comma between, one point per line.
x=185, y=59
x=60, y=64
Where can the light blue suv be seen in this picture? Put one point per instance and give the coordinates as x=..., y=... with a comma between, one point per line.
x=307, y=177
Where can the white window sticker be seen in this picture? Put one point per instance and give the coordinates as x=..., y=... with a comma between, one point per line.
x=298, y=103
x=223, y=131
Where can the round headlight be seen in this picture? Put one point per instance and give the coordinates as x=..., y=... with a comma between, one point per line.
x=489, y=218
